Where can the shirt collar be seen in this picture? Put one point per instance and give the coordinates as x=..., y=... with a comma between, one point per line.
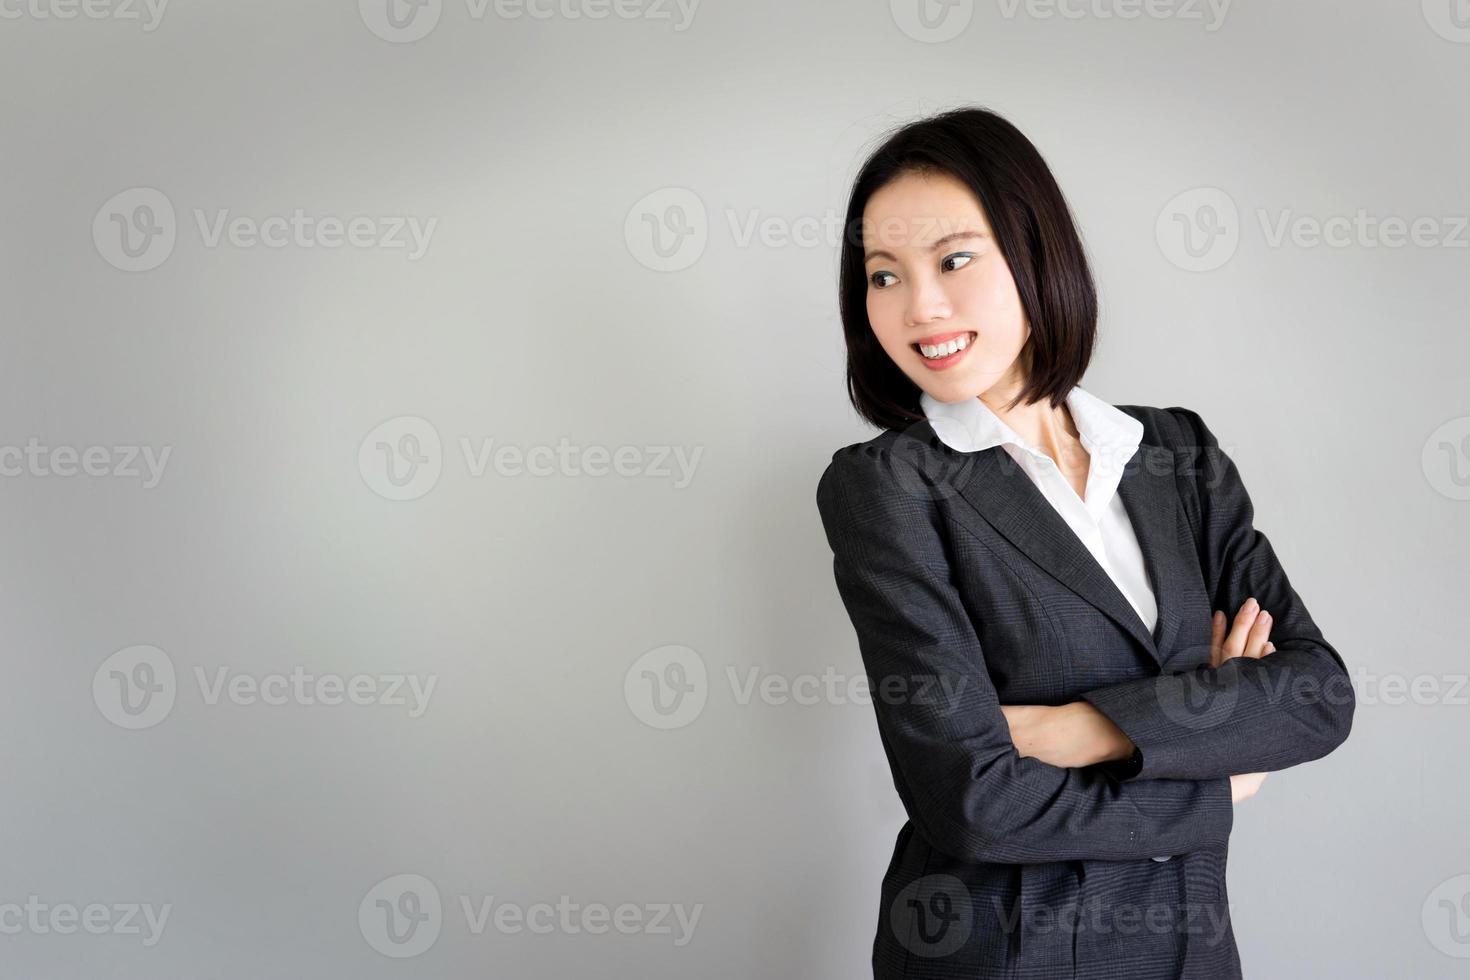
x=970, y=425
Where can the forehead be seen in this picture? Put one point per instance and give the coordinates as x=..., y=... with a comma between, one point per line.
x=915, y=210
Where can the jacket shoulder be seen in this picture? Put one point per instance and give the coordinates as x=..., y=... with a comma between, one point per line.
x=877, y=448
x=882, y=495
x=861, y=464
x=892, y=453
x=1173, y=426
x=895, y=470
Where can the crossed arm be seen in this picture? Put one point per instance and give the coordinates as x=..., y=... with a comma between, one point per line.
x=1270, y=703
x=962, y=780
x=1078, y=734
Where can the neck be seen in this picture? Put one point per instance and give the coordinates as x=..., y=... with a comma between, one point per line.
x=1050, y=430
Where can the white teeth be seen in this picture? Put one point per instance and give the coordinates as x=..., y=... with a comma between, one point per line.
x=944, y=350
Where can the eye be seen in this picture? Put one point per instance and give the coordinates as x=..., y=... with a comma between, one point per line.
x=873, y=280
x=964, y=256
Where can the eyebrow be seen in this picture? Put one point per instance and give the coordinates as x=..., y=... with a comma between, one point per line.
x=955, y=236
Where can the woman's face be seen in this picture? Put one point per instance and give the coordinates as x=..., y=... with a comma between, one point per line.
x=936, y=278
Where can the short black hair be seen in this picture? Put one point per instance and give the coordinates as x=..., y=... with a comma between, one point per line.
x=1033, y=228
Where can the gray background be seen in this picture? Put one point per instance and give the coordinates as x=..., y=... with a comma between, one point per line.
x=542, y=311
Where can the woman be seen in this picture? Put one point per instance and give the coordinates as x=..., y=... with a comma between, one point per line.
x=1031, y=573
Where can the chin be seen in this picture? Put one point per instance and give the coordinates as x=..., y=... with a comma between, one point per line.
x=948, y=389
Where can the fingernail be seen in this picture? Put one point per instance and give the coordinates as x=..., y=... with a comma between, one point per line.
x=1265, y=615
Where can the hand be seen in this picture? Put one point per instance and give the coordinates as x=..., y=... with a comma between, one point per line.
x=1244, y=786
x=1069, y=735
x=1248, y=634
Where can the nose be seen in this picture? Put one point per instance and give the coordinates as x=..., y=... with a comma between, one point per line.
x=927, y=303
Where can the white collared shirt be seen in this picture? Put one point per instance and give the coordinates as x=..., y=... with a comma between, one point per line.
x=1100, y=521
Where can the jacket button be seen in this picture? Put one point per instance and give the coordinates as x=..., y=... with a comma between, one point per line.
x=1163, y=857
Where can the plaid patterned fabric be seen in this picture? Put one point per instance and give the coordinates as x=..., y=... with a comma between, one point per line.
x=968, y=591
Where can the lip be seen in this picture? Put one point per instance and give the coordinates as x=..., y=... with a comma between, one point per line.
x=939, y=338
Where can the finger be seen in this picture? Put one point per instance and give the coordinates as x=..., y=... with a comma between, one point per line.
x=1235, y=642
x=1260, y=632
x=1270, y=648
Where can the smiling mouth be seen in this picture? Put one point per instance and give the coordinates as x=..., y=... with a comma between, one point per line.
x=942, y=347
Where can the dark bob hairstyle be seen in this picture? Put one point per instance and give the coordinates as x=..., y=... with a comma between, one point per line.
x=1036, y=235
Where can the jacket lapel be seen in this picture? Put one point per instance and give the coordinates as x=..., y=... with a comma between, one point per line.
x=1151, y=499
x=997, y=490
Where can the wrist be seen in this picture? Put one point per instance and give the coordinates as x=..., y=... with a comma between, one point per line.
x=1105, y=741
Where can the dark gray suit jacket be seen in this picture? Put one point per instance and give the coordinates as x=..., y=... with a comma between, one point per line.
x=968, y=591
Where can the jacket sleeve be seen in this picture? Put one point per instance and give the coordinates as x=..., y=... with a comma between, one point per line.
x=1247, y=715
x=961, y=780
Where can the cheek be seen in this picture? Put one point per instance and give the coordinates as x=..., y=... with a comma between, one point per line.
x=990, y=300
x=887, y=321
x=991, y=290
